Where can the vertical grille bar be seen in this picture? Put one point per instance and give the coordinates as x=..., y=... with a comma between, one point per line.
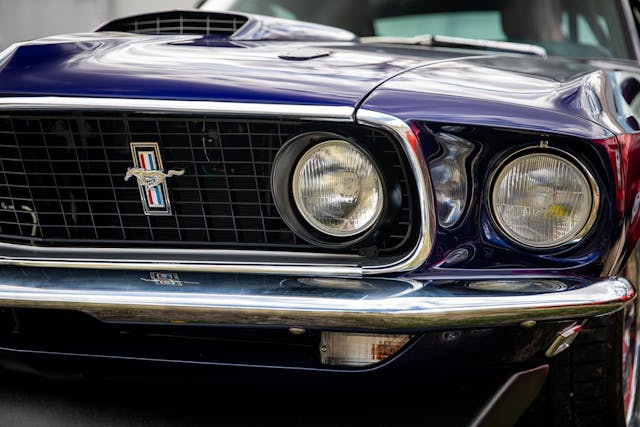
x=197, y=177
x=226, y=178
x=113, y=187
x=55, y=181
x=84, y=184
x=255, y=177
x=4, y=169
x=24, y=171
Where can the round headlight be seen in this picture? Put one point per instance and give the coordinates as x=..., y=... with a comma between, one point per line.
x=542, y=200
x=338, y=189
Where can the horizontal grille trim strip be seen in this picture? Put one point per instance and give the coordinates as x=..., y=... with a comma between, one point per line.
x=148, y=243
x=224, y=109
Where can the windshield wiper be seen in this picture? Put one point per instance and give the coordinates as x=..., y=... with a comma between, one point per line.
x=447, y=41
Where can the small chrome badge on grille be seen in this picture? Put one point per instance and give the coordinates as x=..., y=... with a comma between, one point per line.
x=167, y=279
x=151, y=178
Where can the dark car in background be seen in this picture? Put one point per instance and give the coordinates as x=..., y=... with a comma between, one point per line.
x=369, y=193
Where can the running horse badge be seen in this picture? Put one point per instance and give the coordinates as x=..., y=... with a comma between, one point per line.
x=151, y=178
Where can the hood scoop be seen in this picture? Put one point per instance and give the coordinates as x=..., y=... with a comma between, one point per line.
x=231, y=26
x=178, y=22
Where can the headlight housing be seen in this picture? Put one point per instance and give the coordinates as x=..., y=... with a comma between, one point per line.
x=543, y=200
x=338, y=189
x=334, y=191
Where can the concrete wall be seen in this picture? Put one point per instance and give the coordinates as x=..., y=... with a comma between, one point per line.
x=29, y=19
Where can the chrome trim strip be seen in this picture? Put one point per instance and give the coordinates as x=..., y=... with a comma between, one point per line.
x=434, y=40
x=301, y=112
x=422, y=308
x=299, y=269
x=77, y=250
x=420, y=170
x=395, y=126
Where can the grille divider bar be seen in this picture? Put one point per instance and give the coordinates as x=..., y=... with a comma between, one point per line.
x=226, y=177
x=197, y=174
x=113, y=186
x=35, y=210
x=55, y=181
x=84, y=185
x=255, y=173
x=15, y=213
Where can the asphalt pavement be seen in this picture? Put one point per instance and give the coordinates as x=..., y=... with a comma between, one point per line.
x=32, y=401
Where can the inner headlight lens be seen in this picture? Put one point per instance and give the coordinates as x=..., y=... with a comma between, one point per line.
x=337, y=188
x=542, y=200
x=449, y=177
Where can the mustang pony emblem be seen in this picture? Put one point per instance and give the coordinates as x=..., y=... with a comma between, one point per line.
x=152, y=180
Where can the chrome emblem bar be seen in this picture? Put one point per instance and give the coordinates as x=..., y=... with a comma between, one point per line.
x=167, y=279
x=151, y=177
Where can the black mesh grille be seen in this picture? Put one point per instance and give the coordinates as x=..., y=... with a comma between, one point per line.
x=62, y=181
x=179, y=22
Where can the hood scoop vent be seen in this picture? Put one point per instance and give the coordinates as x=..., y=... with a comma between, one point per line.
x=231, y=26
x=179, y=22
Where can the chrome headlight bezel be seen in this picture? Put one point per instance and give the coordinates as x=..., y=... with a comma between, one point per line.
x=285, y=165
x=572, y=238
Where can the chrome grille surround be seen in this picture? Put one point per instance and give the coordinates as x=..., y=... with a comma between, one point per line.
x=242, y=261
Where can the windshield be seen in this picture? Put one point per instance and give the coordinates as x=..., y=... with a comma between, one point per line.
x=575, y=28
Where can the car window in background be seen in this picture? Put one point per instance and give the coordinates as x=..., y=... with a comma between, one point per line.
x=574, y=28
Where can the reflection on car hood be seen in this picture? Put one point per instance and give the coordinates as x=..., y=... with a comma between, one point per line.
x=550, y=95
x=204, y=68
x=195, y=68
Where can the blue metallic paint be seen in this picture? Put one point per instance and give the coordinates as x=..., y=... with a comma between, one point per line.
x=133, y=66
x=574, y=99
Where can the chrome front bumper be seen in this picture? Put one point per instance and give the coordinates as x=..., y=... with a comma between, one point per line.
x=259, y=300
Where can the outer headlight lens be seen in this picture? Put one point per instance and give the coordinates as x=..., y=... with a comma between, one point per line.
x=338, y=189
x=542, y=200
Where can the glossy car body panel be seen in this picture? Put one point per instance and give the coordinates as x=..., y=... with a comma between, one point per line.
x=459, y=288
x=93, y=65
x=530, y=101
x=90, y=65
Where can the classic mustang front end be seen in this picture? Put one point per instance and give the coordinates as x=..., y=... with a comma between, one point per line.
x=270, y=195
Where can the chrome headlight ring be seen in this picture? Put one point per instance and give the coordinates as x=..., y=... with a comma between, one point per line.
x=538, y=191
x=312, y=168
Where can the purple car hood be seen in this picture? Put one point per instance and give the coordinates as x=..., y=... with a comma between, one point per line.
x=198, y=68
x=402, y=80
